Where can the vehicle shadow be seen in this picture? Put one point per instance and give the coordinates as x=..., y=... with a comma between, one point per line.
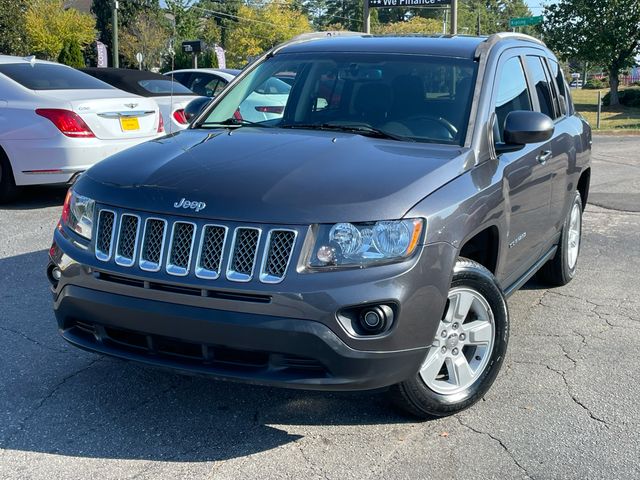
x=38, y=196
x=61, y=400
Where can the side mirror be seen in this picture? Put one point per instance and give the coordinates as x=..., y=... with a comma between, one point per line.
x=522, y=127
x=195, y=107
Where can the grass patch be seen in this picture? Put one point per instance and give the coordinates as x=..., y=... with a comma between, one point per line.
x=618, y=119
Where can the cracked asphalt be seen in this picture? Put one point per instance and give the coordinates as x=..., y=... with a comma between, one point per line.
x=564, y=406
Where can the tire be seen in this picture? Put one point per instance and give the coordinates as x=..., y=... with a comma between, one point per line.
x=561, y=269
x=431, y=396
x=8, y=189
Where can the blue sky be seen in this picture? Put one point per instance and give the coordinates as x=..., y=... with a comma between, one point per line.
x=535, y=5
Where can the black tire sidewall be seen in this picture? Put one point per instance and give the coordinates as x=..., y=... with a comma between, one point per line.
x=471, y=275
x=567, y=272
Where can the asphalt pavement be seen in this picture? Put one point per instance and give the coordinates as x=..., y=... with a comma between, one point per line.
x=564, y=406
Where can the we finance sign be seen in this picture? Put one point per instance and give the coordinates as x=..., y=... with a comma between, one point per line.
x=407, y=3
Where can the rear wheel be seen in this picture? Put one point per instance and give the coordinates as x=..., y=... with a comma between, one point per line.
x=561, y=269
x=468, y=349
x=8, y=187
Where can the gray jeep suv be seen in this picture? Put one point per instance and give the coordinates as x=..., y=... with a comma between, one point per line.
x=364, y=234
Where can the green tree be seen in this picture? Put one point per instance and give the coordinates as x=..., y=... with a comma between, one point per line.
x=71, y=55
x=128, y=11
x=413, y=25
x=147, y=34
x=13, y=27
x=263, y=27
x=605, y=32
x=49, y=25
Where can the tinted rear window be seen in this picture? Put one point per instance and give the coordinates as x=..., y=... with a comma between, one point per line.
x=44, y=76
x=159, y=87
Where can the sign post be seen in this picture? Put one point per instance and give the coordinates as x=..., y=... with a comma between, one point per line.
x=368, y=4
x=525, y=21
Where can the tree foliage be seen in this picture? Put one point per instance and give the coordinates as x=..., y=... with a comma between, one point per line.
x=261, y=28
x=413, y=25
x=12, y=27
x=128, y=11
x=49, y=25
x=71, y=55
x=148, y=34
x=605, y=32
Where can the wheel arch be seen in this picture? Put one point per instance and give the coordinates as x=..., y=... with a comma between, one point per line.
x=583, y=186
x=483, y=247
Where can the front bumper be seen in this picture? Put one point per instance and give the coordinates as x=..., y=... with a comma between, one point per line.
x=284, y=335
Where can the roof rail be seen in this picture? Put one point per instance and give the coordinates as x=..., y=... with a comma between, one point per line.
x=497, y=37
x=305, y=37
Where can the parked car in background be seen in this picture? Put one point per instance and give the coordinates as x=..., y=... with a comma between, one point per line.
x=55, y=122
x=171, y=96
x=264, y=103
x=207, y=82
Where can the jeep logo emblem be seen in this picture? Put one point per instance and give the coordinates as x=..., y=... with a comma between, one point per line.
x=184, y=203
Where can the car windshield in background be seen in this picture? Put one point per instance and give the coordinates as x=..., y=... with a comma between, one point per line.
x=419, y=98
x=160, y=87
x=45, y=76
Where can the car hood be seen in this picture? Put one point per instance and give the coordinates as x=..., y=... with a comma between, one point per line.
x=266, y=175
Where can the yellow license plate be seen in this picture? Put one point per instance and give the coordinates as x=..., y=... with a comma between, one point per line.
x=129, y=123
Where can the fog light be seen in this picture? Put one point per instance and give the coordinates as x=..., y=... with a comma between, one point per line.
x=376, y=319
x=56, y=273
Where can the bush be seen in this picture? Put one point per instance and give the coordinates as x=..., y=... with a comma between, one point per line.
x=629, y=97
x=595, y=84
x=71, y=55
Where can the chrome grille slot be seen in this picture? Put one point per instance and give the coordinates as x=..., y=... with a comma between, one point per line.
x=180, y=248
x=279, y=248
x=211, y=251
x=243, y=254
x=105, y=235
x=126, y=246
x=155, y=230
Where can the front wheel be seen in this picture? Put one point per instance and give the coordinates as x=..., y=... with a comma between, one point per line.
x=468, y=349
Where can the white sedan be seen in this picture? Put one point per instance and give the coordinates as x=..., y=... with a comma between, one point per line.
x=171, y=96
x=265, y=102
x=56, y=122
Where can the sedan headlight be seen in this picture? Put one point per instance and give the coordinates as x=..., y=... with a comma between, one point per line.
x=77, y=214
x=363, y=244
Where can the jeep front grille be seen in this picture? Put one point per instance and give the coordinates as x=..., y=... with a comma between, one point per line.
x=127, y=240
x=184, y=247
x=105, y=235
x=243, y=254
x=278, y=255
x=181, y=247
x=153, y=238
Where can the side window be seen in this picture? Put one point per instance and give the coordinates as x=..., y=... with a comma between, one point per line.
x=563, y=97
x=542, y=85
x=180, y=77
x=219, y=87
x=512, y=92
x=203, y=85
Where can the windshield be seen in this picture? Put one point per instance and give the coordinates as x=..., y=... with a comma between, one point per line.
x=418, y=98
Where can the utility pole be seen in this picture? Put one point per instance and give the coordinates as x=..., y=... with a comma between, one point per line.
x=454, y=18
x=366, y=16
x=114, y=38
x=478, y=29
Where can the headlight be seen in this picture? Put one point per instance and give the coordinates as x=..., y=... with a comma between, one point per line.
x=77, y=214
x=362, y=244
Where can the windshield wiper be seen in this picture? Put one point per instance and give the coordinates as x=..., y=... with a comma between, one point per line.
x=357, y=128
x=235, y=122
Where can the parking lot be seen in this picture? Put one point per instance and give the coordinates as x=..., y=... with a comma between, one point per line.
x=564, y=406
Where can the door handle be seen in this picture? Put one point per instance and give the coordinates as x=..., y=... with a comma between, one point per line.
x=543, y=157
